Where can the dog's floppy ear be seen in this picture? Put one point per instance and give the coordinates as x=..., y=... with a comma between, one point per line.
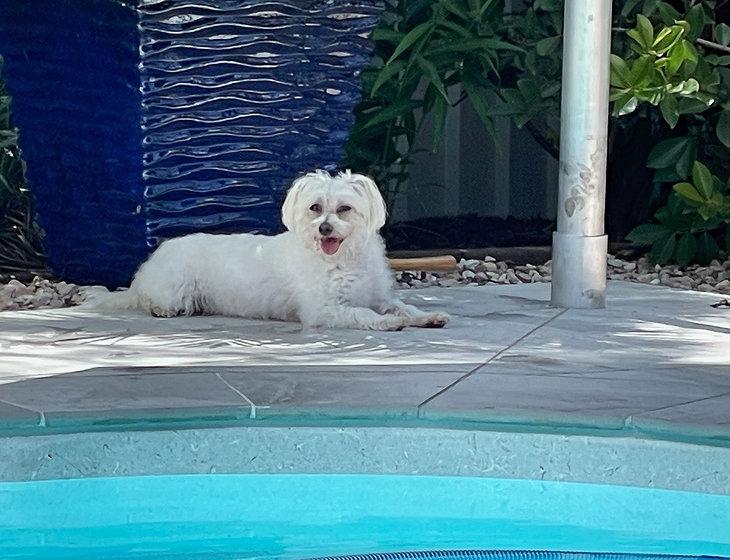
x=376, y=205
x=289, y=208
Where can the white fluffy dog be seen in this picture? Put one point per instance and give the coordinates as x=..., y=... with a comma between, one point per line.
x=328, y=270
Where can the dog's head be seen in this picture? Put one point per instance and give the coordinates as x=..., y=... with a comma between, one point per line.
x=333, y=213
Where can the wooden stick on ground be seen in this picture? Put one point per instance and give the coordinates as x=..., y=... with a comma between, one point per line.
x=443, y=263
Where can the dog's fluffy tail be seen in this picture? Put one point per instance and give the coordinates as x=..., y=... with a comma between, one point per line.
x=112, y=301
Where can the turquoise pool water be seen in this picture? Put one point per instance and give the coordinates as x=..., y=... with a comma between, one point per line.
x=304, y=516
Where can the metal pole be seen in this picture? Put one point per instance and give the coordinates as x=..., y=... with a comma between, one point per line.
x=579, y=244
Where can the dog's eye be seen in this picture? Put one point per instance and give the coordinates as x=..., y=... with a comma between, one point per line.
x=343, y=209
x=316, y=208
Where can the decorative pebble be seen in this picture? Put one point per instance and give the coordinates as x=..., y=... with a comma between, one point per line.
x=712, y=278
x=39, y=293
x=42, y=293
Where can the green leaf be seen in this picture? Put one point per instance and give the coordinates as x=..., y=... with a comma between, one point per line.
x=548, y=45
x=666, y=153
x=625, y=104
x=455, y=9
x=668, y=14
x=688, y=192
x=667, y=38
x=674, y=61
x=646, y=31
x=707, y=248
x=649, y=7
x=550, y=90
x=455, y=27
x=690, y=52
x=385, y=74
x=674, y=203
x=689, y=105
x=388, y=35
x=723, y=128
x=686, y=249
x=663, y=250
x=647, y=234
x=683, y=167
x=666, y=175
x=642, y=70
x=394, y=111
x=430, y=70
x=485, y=7
x=411, y=37
x=548, y=5
x=703, y=180
x=620, y=72
x=628, y=7
x=696, y=20
x=469, y=45
x=722, y=34
x=668, y=107
x=530, y=92
x=690, y=86
x=635, y=34
x=480, y=106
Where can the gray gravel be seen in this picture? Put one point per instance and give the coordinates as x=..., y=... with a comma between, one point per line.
x=42, y=293
x=39, y=293
x=712, y=278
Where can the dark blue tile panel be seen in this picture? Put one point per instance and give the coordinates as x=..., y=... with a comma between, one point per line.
x=72, y=69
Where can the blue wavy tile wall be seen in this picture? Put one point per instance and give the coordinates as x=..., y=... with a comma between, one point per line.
x=146, y=120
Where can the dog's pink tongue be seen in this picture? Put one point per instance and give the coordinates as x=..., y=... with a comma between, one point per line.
x=330, y=245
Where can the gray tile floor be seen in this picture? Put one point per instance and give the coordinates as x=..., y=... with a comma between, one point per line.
x=656, y=360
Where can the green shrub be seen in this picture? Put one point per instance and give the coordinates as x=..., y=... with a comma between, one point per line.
x=679, y=62
x=670, y=80
x=20, y=243
x=424, y=50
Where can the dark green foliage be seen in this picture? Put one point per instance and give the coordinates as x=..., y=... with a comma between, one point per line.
x=429, y=57
x=20, y=244
x=677, y=61
x=670, y=105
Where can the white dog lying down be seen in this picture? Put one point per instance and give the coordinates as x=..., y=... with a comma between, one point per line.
x=328, y=270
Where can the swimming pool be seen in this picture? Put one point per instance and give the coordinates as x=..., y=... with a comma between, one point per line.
x=306, y=516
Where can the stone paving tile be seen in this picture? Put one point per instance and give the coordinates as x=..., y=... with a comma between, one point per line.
x=643, y=327
x=115, y=396
x=714, y=377
x=604, y=401
x=43, y=342
x=652, y=349
x=709, y=417
x=389, y=390
x=16, y=417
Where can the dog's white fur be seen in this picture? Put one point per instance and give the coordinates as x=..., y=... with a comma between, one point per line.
x=288, y=276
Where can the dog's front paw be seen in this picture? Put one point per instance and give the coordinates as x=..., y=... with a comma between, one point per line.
x=390, y=323
x=163, y=313
x=435, y=321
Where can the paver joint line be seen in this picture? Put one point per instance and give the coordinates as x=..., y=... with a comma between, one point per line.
x=630, y=418
x=254, y=407
x=491, y=359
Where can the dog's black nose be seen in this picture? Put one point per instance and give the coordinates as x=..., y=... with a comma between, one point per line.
x=325, y=228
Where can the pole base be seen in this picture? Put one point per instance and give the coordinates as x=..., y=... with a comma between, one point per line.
x=579, y=271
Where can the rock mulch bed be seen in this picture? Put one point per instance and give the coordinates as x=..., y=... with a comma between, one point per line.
x=712, y=278
x=38, y=293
